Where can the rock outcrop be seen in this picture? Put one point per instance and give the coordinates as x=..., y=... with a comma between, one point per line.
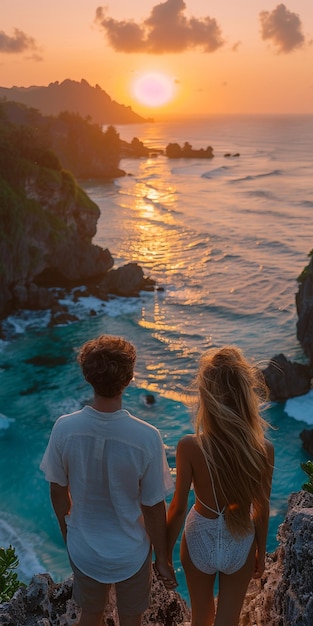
x=304, y=304
x=286, y=379
x=45, y=603
x=47, y=226
x=175, y=151
x=46, y=240
x=306, y=437
x=284, y=595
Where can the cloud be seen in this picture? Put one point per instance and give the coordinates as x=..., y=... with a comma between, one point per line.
x=283, y=28
x=35, y=57
x=165, y=30
x=236, y=46
x=19, y=42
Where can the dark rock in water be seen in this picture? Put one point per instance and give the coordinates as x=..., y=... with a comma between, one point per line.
x=128, y=280
x=61, y=319
x=47, y=360
x=45, y=603
x=306, y=436
x=286, y=379
x=149, y=399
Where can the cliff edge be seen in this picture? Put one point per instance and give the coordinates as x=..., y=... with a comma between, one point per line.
x=283, y=597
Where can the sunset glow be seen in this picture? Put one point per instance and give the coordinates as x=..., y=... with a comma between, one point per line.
x=182, y=57
x=153, y=89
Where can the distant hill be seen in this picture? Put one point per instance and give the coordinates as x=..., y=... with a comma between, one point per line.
x=76, y=97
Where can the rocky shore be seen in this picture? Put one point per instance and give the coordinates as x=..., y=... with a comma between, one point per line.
x=283, y=597
x=46, y=245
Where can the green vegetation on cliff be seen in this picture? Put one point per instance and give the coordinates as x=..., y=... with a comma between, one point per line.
x=80, y=145
x=24, y=158
x=9, y=582
x=47, y=220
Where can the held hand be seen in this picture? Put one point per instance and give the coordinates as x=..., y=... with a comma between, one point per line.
x=259, y=565
x=165, y=573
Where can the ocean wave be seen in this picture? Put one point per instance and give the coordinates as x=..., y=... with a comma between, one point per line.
x=306, y=203
x=5, y=422
x=219, y=171
x=257, y=176
x=301, y=408
x=262, y=193
x=24, y=544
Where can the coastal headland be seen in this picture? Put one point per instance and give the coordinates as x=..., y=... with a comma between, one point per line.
x=46, y=249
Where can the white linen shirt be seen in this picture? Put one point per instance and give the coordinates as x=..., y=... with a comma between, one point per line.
x=112, y=463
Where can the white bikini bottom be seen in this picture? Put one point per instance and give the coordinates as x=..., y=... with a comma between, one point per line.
x=211, y=546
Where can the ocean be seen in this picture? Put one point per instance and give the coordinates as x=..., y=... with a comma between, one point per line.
x=225, y=239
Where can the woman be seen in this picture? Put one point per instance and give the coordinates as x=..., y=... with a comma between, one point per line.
x=230, y=464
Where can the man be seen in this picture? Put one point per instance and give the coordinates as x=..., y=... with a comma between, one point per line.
x=108, y=478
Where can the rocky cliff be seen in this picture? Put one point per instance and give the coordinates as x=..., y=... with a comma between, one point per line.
x=304, y=303
x=46, y=235
x=284, y=378
x=44, y=603
x=47, y=223
x=283, y=597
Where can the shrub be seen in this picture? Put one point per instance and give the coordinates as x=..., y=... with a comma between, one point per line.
x=308, y=469
x=9, y=582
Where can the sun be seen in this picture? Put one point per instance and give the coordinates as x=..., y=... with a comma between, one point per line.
x=153, y=89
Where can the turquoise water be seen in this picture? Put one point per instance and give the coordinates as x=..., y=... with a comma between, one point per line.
x=226, y=239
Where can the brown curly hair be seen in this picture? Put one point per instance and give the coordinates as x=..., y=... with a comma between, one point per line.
x=107, y=364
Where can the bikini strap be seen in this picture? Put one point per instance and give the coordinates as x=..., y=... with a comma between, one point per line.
x=219, y=511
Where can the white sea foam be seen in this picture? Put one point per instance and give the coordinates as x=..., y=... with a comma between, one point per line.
x=123, y=306
x=23, y=543
x=5, y=422
x=301, y=408
x=25, y=320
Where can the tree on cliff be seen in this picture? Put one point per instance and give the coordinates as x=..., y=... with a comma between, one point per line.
x=83, y=147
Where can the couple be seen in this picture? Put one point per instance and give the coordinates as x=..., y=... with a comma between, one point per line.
x=109, y=476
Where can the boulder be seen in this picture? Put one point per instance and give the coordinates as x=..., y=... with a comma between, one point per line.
x=306, y=436
x=45, y=603
x=128, y=280
x=286, y=379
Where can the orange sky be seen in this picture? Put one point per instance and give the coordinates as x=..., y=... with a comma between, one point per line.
x=247, y=56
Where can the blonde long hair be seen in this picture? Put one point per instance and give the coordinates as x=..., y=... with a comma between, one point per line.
x=231, y=430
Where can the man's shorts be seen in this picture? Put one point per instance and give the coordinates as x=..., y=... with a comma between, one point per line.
x=132, y=594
